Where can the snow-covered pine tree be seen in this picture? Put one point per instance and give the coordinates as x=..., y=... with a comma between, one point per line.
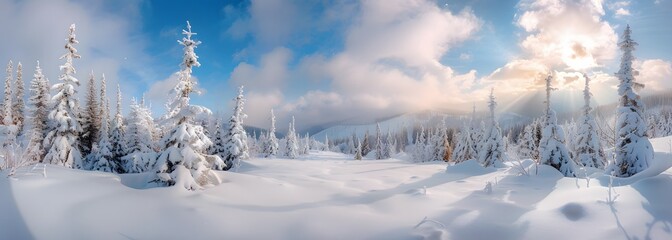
x=218, y=147
x=389, y=145
x=366, y=147
x=104, y=107
x=117, y=137
x=39, y=104
x=358, y=150
x=91, y=118
x=351, y=146
x=380, y=148
x=634, y=152
x=552, y=149
x=291, y=145
x=420, y=146
x=492, y=150
x=527, y=146
x=182, y=160
x=7, y=103
x=588, y=148
x=271, y=145
x=139, y=141
x=326, y=143
x=305, y=147
x=475, y=132
x=100, y=158
x=236, y=137
x=19, y=106
x=64, y=137
x=464, y=148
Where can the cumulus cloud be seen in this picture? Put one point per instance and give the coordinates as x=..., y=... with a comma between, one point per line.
x=390, y=64
x=655, y=74
x=271, y=74
x=567, y=34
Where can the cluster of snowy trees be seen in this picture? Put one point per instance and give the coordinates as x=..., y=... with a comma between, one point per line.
x=53, y=127
x=544, y=140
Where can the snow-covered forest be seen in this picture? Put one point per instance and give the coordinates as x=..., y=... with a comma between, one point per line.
x=87, y=169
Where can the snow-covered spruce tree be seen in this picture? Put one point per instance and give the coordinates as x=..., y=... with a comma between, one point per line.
x=7, y=103
x=358, y=150
x=464, y=149
x=182, y=161
x=271, y=145
x=39, y=104
x=527, y=146
x=420, y=146
x=326, y=143
x=100, y=158
x=64, y=137
x=19, y=106
x=139, y=140
x=389, y=145
x=305, y=145
x=236, y=137
x=588, y=149
x=492, y=150
x=90, y=118
x=634, y=152
x=117, y=137
x=291, y=147
x=380, y=147
x=366, y=147
x=218, y=147
x=552, y=149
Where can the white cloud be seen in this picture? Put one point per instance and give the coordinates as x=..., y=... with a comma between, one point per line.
x=271, y=74
x=567, y=34
x=622, y=12
x=655, y=74
x=390, y=64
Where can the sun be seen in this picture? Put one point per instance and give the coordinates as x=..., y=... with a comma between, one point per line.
x=577, y=57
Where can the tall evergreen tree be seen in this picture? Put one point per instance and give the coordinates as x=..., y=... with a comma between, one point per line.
x=218, y=147
x=117, y=137
x=528, y=147
x=464, y=148
x=389, y=145
x=182, y=160
x=634, y=152
x=366, y=147
x=291, y=147
x=64, y=138
x=271, y=145
x=492, y=150
x=139, y=141
x=380, y=147
x=358, y=150
x=552, y=149
x=7, y=103
x=588, y=147
x=39, y=104
x=101, y=157
x=19, y=106
x=90, y=118
x=236, y=137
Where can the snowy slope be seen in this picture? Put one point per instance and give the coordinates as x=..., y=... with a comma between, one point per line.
x=329, y=196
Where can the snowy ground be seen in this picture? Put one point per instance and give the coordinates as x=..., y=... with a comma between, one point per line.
x=329, y=196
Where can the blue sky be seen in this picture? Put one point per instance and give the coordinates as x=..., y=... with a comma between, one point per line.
x=329, y=62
